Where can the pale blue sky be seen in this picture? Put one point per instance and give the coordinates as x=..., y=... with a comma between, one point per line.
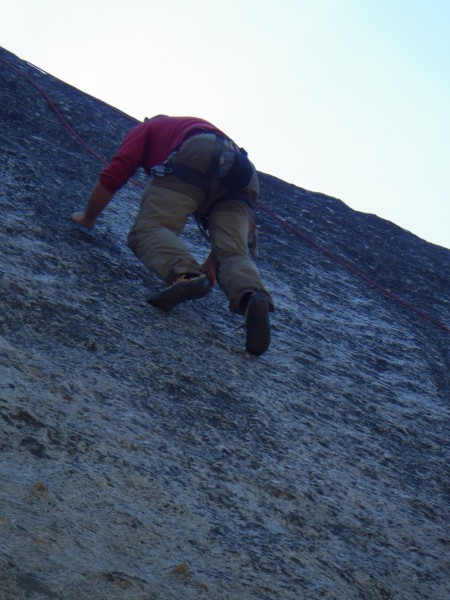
x=345, y=97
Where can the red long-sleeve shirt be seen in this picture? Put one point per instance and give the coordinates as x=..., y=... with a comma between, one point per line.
x=149, y=144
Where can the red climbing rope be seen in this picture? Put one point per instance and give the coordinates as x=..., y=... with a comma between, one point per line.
x=352, y=269
x=51, y=104
x=275, y=217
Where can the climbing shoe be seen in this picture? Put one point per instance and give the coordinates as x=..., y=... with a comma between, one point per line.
x=257, y=324
x=186, y=287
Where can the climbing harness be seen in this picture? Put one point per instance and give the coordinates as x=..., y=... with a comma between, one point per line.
x=259, y=205
x=231, y=165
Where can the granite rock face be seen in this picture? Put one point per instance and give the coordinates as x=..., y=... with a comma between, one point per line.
x=147, y=456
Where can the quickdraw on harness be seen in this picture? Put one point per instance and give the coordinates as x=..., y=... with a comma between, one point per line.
x=233, y=168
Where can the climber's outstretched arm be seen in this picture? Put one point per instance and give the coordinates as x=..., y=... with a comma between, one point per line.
x=98, y=200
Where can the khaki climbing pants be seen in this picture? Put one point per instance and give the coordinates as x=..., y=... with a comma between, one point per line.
x=166, y=205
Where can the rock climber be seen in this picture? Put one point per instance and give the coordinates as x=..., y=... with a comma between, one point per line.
x=195, y=169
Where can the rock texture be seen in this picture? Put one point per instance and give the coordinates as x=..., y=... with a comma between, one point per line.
x=146, y=456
